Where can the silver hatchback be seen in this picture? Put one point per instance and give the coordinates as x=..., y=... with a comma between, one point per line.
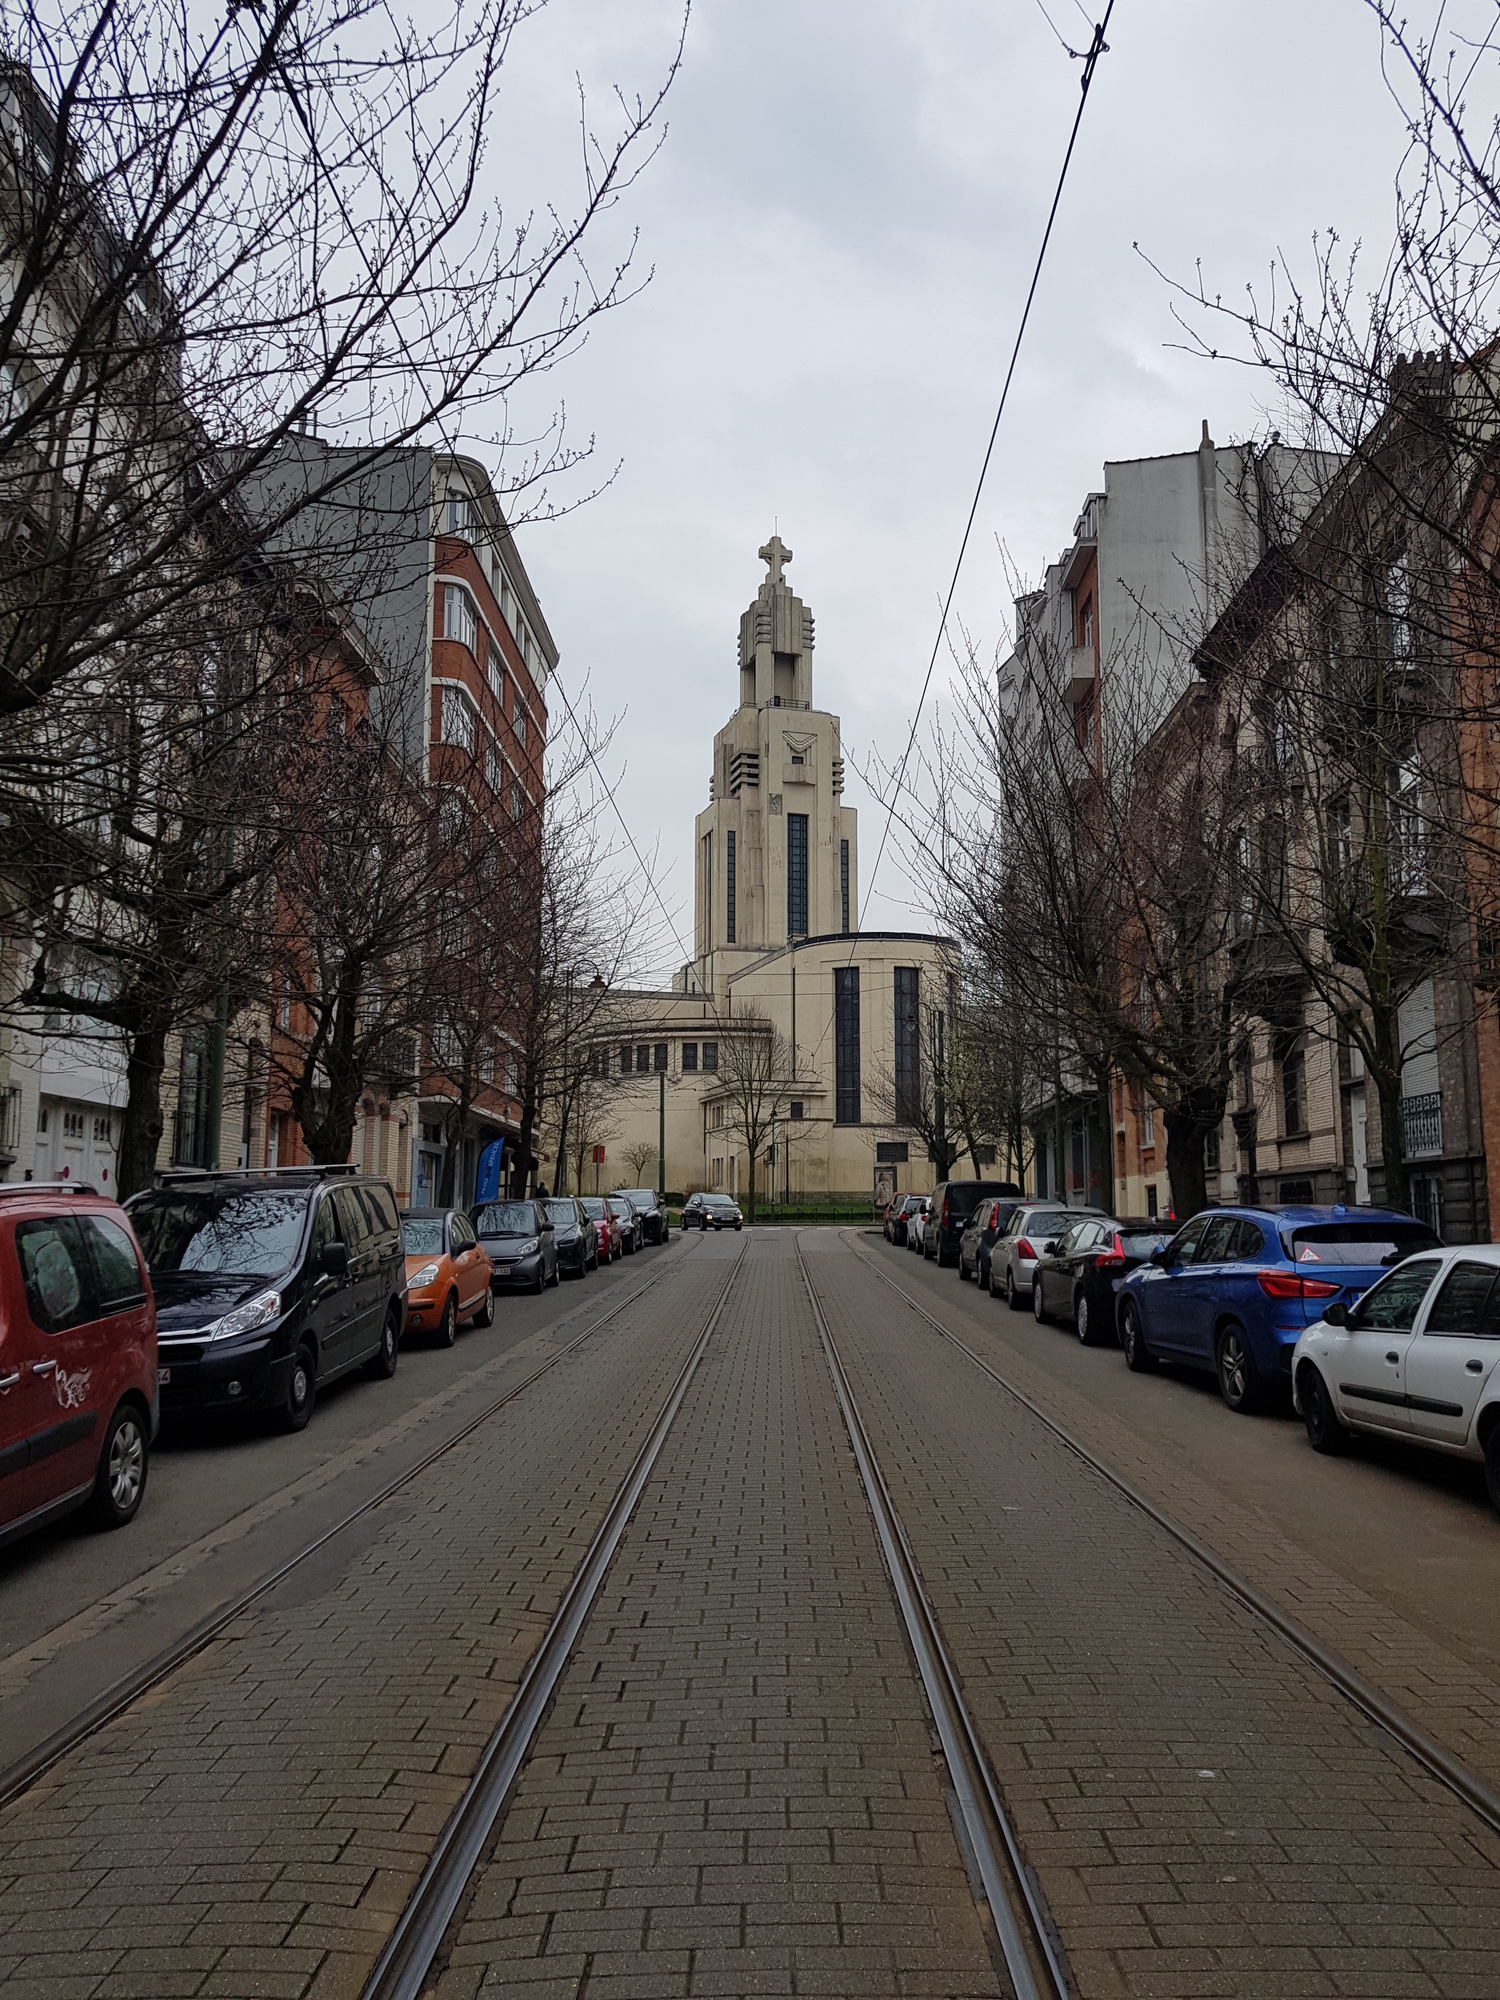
x=1029, y=1234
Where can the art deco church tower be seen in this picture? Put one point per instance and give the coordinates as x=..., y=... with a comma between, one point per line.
x=777, y=856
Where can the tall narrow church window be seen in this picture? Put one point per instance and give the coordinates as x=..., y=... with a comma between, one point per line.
x=708, y=892
x=908, y=1047
x=729, y=887
x=796, y=874
x=844, y=881
x=846, y=1045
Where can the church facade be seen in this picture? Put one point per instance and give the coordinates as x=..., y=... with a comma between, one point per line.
x=776, y=941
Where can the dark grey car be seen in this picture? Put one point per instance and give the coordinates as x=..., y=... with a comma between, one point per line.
x=518, y=1237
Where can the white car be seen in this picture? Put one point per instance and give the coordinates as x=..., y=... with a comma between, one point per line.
x=1417, y=1358
x=916, y=1225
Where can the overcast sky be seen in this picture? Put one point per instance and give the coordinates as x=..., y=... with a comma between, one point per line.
x=842, y=224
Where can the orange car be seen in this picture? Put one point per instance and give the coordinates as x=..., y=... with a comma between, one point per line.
x=447, y=1274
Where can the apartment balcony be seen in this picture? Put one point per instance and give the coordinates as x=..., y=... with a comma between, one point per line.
x=1422, y=1126
x=1269, y=979
x=1079, y=674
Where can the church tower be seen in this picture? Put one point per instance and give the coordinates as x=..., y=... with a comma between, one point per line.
x=777, y=855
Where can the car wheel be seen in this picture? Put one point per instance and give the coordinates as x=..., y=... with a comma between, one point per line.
x=1324, y=1431
x=120, y=1484
x=381, y=1365
x=963, y=1269
x=1038, y=1311
x=1012, y=1296
x=1239, y=1384
x=556, y=1278
x=301, y=1390
x=447, y=1329
x=541, y=1280
x=1081, y=1322
x=1137, y=1355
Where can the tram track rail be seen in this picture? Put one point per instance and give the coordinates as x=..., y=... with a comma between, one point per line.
x=19, y=1776
x=1467, y=1784
x=402, y=1970
x=1024, y=1936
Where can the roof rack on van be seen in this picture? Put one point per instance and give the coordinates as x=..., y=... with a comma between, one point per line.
x=171, y=1176
x=51, y=1187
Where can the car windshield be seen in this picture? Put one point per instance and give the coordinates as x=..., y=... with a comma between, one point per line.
x=1358, y=1242
x=640, y=1197
x=593, y=1207
x=506, y=1218
x=1140, y=1243
x=563, y=1212
x=422, y=1236
x=720, y=1201
x=238, y=1234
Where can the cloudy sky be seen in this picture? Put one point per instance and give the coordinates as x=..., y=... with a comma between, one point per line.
x=841, y=226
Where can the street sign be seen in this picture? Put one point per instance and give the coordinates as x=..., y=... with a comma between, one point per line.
x=598, y=1156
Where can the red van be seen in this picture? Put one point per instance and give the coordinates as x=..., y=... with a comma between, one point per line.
x=78, y=1398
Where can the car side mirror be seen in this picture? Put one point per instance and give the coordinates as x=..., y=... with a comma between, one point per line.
x=335, y=1260
x=1337, y=1314
x=546, y=1229
x=1158, y=1257
x=1049, y=1246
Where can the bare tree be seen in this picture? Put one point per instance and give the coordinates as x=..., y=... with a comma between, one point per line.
x=756, y=1076
x=640, y=1154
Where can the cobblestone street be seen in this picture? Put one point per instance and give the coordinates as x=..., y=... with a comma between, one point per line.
x=736, y=1788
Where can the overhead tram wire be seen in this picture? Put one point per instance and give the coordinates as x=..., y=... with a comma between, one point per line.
x=1090, y=59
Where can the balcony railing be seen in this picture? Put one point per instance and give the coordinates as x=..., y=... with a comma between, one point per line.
x=1422, y=1126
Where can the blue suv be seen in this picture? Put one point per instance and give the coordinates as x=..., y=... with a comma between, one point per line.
x=1236, y=1288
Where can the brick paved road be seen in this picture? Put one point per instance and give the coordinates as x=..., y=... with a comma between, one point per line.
x=253, y=1826
x=735, y=1792
x=1206, y=1814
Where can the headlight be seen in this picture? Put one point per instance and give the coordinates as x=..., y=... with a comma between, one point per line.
x=426, y=1276
x=259, y=1311
x=525, y=1249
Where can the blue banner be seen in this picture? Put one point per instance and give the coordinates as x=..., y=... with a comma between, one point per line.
x=487, y=1182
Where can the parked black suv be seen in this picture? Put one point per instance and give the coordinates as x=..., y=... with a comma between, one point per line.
x=953, y=1202
x=270, y=1283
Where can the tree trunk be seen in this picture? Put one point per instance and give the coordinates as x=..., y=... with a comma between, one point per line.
x=1186, y=1133
x=750, y=1190
x=1383, y=1063
x=521, y=1170
x=142, y=1123
x=456, y=1123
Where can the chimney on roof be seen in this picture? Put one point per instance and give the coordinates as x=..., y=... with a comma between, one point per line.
x=1206, y=438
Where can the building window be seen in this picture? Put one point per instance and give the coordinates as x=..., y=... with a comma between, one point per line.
x=844, y=882
x=796, y=874
x=892, y=1153
x=457, y=719
x=520, y=725
x=689, y=1055
x=1151, y=1201
x=643, y=1059
x=729, y=886
x=494, y=771
x=495, y=674
x=517, y=799
x=908, y=1046
x=710, y=1055
x=459, y=621
x=1148, y=1124
x=718, y=1117
x=457, y=521
x=1211, y=1152
x=659, y=1058
x=795, y=1111
x=1292, y=1059
x=625, y=1062
x=846, y=1044
x=191, y=1149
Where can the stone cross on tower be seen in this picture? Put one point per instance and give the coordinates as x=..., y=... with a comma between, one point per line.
x=775, y=552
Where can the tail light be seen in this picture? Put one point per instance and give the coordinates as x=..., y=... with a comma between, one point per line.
x=1290, y=1285
x=1111, y=1260
x=1024, y=1249
x=946, y=1220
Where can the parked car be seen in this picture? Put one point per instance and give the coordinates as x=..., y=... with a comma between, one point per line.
x=78, y=1363
x=916, y=1224
x=978, y=1240
x=652, y=1209
x=720, y=1211
x=270, y=1283
x=1032, y=1230
x=1080, y=1278
x=1417, y=1357
x=447, y=1273
x=606, y=1227
x=573, y=1237
x=518, y=1238
x=952, y=1203
x=632, y=1230
x=1235, y=1289
x=898, y=1211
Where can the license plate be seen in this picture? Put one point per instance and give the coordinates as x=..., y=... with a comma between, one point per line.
x=502, y=1270
x=163, y=1375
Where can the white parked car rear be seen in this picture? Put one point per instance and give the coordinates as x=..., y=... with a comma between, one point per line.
x=1416, y=1358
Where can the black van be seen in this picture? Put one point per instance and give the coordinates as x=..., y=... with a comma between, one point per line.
x=953, y=1202
x=269, y=1283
